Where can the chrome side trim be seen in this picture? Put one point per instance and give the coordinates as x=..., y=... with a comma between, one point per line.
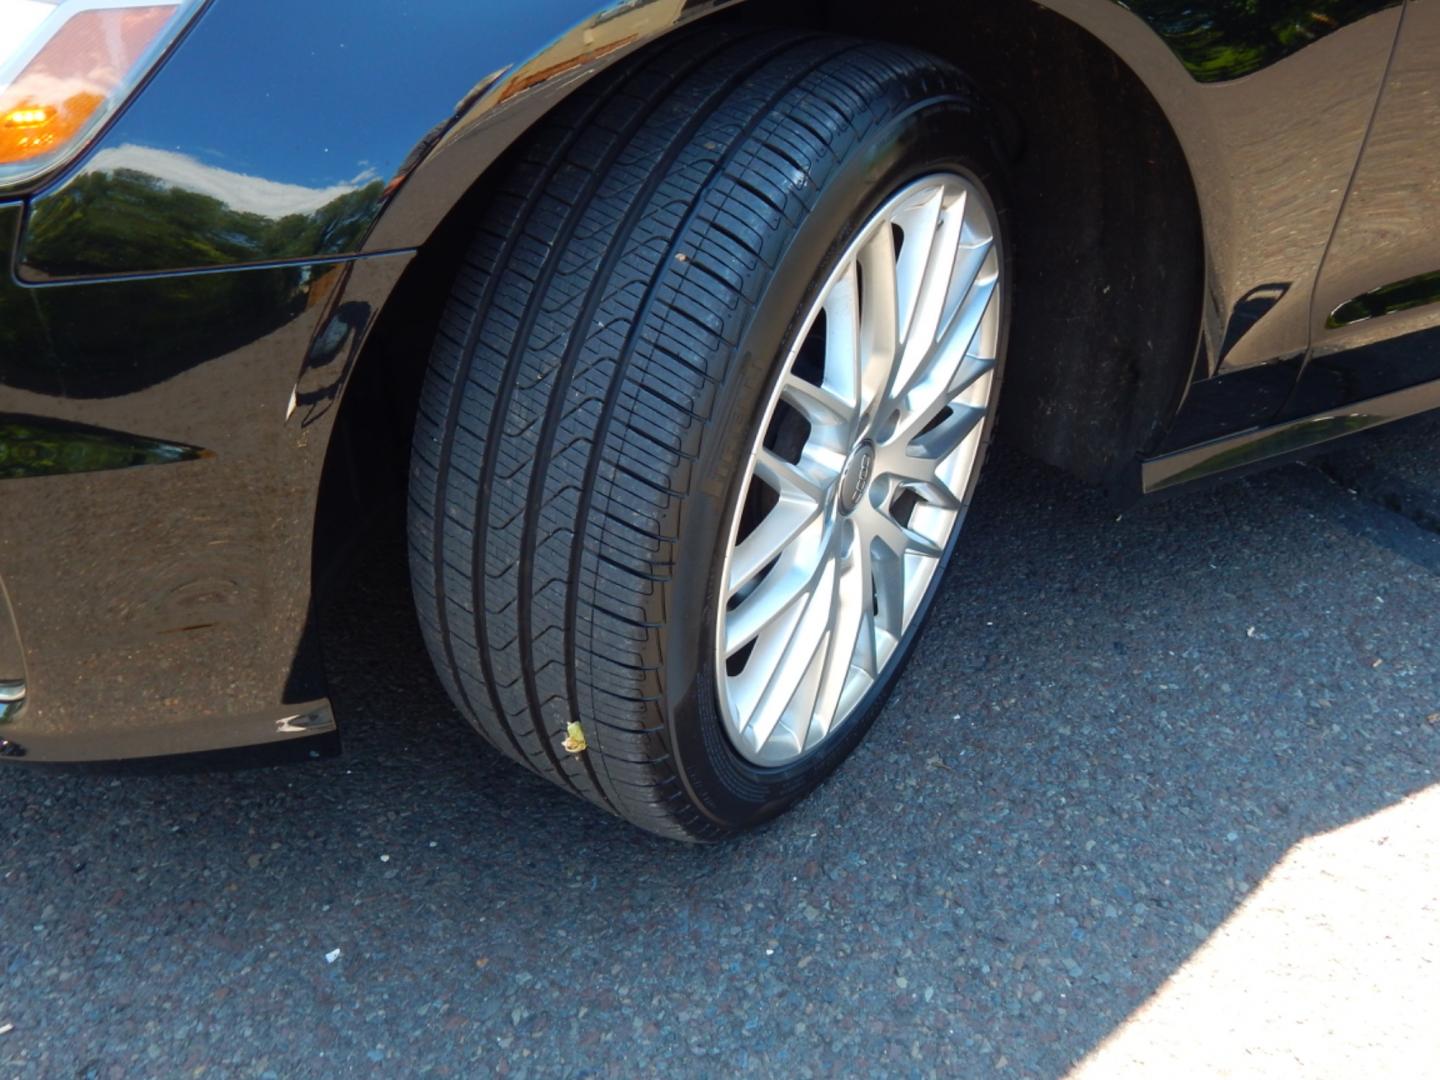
x=1271, y=444
x=12, y=660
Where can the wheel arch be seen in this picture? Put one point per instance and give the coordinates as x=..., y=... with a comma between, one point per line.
x=1093, y=383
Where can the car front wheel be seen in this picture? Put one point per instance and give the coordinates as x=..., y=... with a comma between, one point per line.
x=704, y=416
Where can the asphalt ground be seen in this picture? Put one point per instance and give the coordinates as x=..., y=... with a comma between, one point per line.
x=1156, y=797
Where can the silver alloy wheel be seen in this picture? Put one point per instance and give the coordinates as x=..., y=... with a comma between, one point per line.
x=857, y=479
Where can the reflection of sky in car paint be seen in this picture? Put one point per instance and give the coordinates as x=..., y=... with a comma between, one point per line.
x=238, y=191
x=306, y=69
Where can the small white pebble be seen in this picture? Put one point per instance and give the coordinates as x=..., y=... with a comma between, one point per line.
x=332, y=956
x=384, y=858
x=5, y=1029
x=434, y=843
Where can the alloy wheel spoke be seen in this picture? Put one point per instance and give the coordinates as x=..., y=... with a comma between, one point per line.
x=818, y=404
x=948, y=369
x=880, y=315
x=952, y=367
x=866, y=658
x=899, y=540
x=799, y=711
x=933, y=490
x=797, y=656
x=916, y=458
x=787, y=479
x=850, y=605
x=952, y=364
x=919, y=225
x=786, y=521
x=921, y=465
x=865, y=470
x=889, y=578
x=934, y=290
x=971, y=283
x=789, y=583
x=842, y=343
x=910, y=427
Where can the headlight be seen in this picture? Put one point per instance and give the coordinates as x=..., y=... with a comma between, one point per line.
x=67, y=65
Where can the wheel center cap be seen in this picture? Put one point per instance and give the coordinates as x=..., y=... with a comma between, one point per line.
x=855, y=480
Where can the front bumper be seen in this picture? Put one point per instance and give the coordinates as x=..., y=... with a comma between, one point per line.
x=161, y=445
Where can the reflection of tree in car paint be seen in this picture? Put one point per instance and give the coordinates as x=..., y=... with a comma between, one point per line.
x=1397, y=296
x=1231, y=38
x=36, y=446
x=167, y=226
x=204, y=315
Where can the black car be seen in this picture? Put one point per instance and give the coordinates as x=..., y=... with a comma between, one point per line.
x=681, y=323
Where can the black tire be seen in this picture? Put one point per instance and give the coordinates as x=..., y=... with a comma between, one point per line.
x=596, y=381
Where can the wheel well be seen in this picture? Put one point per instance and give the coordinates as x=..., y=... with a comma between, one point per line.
x=1109, y=257
x=1109, y=254
x=367, y=461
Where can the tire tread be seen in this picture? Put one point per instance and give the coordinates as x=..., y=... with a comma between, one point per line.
x=576, y=370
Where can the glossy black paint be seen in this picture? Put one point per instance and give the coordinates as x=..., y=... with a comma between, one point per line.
x=156, y=547
x=1376, y=321
x=1270, y=153
x=186, y=306
x=275, y=166
x=326, y=108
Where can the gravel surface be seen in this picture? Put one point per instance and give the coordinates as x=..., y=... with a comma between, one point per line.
x=1097, y=824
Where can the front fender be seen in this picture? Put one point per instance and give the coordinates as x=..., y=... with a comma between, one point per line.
x=1269, y=102
x=291, y=132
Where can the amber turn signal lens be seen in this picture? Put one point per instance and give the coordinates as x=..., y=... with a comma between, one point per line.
x=28, y=118
x=64, y=88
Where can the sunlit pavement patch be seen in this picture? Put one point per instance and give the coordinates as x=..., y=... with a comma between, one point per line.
x=1331, y=968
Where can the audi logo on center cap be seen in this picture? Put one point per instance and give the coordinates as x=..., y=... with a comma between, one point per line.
x=857, y=477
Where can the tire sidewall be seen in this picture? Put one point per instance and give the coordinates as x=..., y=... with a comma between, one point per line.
x=942, y=134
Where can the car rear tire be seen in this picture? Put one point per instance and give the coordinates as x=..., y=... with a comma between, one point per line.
x=635, y=315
